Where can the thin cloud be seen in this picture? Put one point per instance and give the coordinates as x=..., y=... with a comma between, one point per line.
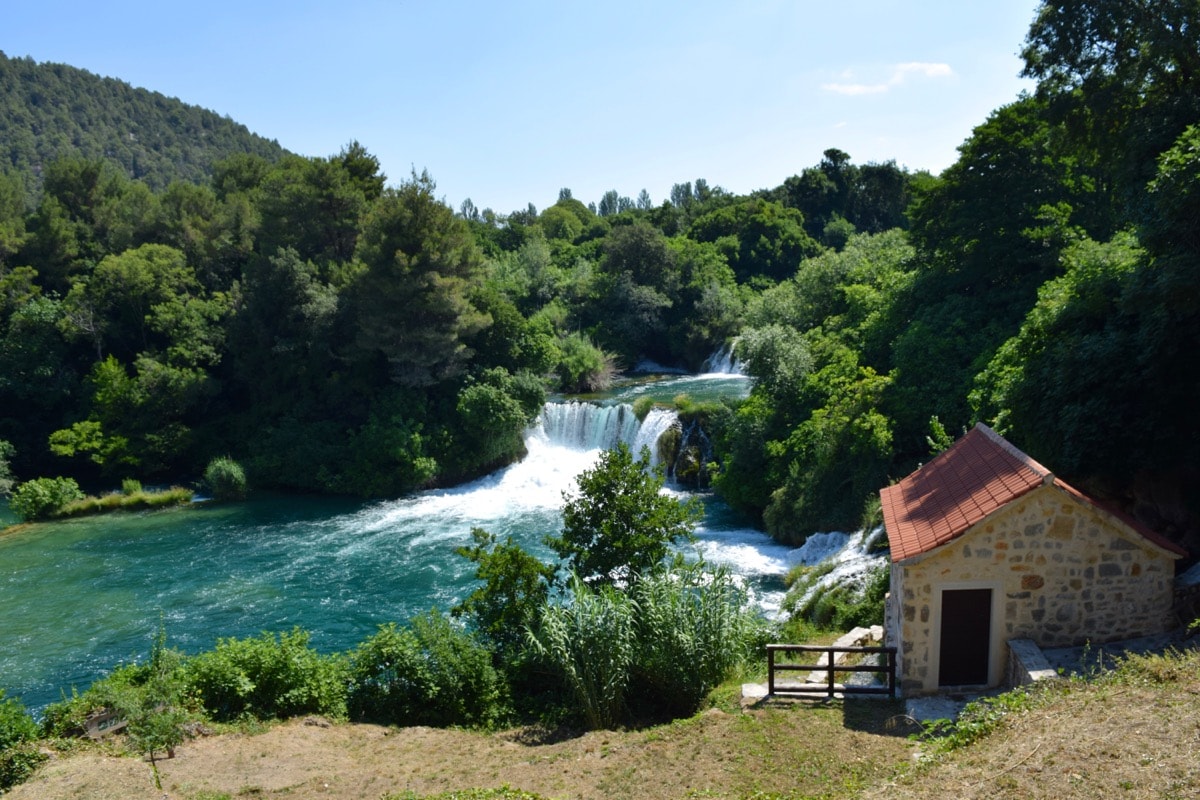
x=900, y=74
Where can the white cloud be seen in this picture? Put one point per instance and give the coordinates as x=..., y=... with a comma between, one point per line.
x=900, y=74
x=922, y=68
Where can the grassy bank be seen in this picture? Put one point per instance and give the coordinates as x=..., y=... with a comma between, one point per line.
x=139, y=500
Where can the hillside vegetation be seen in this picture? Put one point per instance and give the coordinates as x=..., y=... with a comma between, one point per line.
x=54, y=111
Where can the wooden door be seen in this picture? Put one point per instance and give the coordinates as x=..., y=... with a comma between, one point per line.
x=966, y=637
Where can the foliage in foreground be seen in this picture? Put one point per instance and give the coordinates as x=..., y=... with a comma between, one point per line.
x=268, y=677
x=18, y=754
x=984, y=716
x=502, y=793
x=433, y=673
x=669, y=640
x=618, y=525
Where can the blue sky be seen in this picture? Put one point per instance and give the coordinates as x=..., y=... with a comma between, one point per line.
x=506, y=103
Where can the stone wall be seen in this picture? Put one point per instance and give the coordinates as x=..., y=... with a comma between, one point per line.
x=1062, y=573
x=1026, y=664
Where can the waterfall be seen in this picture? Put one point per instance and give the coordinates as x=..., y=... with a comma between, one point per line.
x=851, y=556
x=586, y=426
x=722, y=362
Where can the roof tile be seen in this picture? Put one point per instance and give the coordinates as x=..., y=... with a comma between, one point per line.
x=975, y=477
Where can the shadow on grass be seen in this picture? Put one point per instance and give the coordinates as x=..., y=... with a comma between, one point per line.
x=878, y=716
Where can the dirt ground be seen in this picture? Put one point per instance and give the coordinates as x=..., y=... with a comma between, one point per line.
x=1138, y=738
x=716, y=754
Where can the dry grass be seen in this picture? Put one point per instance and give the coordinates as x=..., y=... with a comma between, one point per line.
x=1132, y=735
x=793, y=751
x=1135, y=735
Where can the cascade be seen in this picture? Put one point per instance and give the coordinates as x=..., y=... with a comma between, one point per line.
x=723, y=362
x=852, y=556
x=587, y=426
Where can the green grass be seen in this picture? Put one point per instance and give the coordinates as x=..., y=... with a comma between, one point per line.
x=119, y=501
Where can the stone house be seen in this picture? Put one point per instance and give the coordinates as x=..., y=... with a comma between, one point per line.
x=988, y=546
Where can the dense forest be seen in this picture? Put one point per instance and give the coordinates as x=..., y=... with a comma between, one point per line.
x=53, y=111
x=339, y=333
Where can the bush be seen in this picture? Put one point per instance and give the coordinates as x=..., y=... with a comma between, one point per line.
x=18, y=754
x=584, y=367
x=693, y=629
x=44, y=497
x=131, y=486
x=226, y=479
x=269, y=677
x=590, y=642
x=433, y=673
x=16, y=725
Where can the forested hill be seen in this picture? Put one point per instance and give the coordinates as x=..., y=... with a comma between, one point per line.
x=51, y=111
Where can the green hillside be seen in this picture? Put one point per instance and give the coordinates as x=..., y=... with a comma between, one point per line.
x=52, y=111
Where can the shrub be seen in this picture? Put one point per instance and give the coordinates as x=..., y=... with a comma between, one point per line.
x=18, y=754
x=590, y=642
x=693, y=629
x=433, y=673
x=131, y=486
x=226, y=479
x=16, y=725
x=43, y=497
x=584, y=367
x=269, y=677
x=388, y=680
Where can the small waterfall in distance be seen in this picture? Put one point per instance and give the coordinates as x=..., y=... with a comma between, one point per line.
x=722, y=362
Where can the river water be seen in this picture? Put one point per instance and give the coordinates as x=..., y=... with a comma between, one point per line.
x=80, y=597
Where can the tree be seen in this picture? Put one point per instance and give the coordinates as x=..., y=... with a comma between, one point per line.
x=760, y=237
x=421, y=258
x=618, y=524
x=6, y=476
x=609, y=203
x=363, y=169
x=12, y=218
x=1123, y=75
x=315, y=205
x=515, y=586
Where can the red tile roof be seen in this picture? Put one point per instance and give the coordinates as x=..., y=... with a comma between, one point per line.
x=978, y=475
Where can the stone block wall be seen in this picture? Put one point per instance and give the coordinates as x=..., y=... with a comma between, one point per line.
x=1066, y=573
x=1026, y=664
